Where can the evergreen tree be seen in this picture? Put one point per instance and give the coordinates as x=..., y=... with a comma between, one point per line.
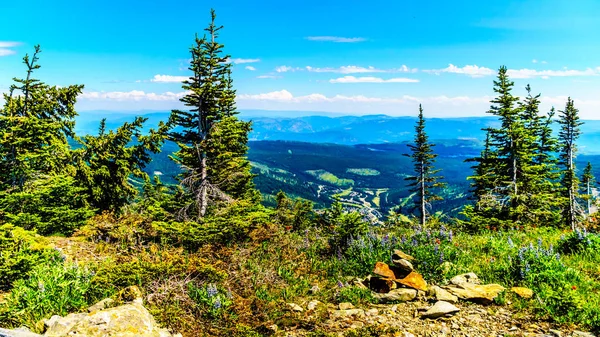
x=106, y=163
x=35, y=123
x=425, y=179
x=588, y=180
x=212, y=140
x=568, y=135
x=484, y=179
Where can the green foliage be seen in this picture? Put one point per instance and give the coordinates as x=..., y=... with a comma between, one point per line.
x=578, y=241
x=49, y=204
x=424, y=180
x=20, y=251
x=296, y=214
x=330, y=178
x=344, y=224
x=363, y=171
x=54, y=288
x=354, y=295
x=211, y=301
x=107, y=162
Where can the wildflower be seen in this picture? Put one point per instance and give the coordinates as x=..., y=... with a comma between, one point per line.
x=437, y=241
x=340, y=284
x=574, y=288
x=492, y=259
x=510, y=243
x=450, y=236
x=557, y=256
x=539, y=242
x=403, y=239
x=428, y=234
x=443, y=231
x=217, y=304
x=229, y=294
x=436, y=248
x=211, y=290
x=41, y=286
x=414, y=242
x=441, y=257
x=339, y=254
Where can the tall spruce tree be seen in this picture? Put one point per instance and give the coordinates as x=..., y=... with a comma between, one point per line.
x=588, y=180
x=484, y=171
x=212, y=141
x=568, y=135
x=425, y=180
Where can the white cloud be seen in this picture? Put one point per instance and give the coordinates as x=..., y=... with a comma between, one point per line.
x=242, y=61
x=469, y=70
x=251, y=68
x=358, y=70
x=134, y=95
x=5, y=48
x=534, y=61
x=336, y=39
x=168, y=79
x=268, y=76
x=369, y=79
x=476, y=71
x=285, y=69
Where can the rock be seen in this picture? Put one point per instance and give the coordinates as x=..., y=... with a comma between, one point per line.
x=397, y=295
x=315, y=289
x=483, y=294
x=131, y=294
x=443, y=295
x=104, y=304
x=388, y=272
x=20, y=332
x=555, y=333
x=382, y=285
x=577, y=333
x=522, y=292
x=439, y=309
x=345, y=306
x=347, y=313
x=398, y=254
x=414, y=280
x=295, y=307
x=465, y=278
x=403, y=264
x=360, y=283
x=127, y=320
x=312, y=305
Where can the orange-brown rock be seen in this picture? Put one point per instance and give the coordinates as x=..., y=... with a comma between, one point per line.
x=414, y=280
x=483, y=294
x=382, y=285
x=391, y=272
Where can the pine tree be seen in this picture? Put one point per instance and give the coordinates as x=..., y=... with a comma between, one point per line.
x=106, y=163
x=568, y=135
x=425, y=179
x=588, y=180
x=35, y=123
x=212, y=140
x=484, y=171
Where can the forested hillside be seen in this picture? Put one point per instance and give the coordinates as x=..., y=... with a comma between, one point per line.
x=201, y=231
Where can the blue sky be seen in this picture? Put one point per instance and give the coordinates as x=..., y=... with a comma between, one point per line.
x=337, y=56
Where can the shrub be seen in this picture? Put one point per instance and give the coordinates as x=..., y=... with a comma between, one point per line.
x=354, y=295
x=212, y=301
x=55, y=288
x=20, y=251
x=578, y=241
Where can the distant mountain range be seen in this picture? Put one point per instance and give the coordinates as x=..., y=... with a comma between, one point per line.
x=345, y=130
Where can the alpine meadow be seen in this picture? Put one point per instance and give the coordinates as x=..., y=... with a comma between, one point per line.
x=180, y=214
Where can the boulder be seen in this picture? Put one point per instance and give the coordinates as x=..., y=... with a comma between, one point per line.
x=389, y=272
x=465, y=278
x=104, y=304
x=397, y=295
x=522, y=292
x=482, y=294
x=21, y=332
x=439, y=309
x=403, y=264
x=414, y=280
x=127, y=320
x=398, y=254
x=441, y=294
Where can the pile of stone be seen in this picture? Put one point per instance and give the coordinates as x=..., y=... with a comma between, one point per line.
x=399, y=282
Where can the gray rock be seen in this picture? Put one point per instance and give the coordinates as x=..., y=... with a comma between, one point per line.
x=439, y=309
x=403, y=264
x=104, y=304
x=443, y=295
x=295, y=307
x=312, y=305
x=346, y=313
x=397, y=295
x=20, y=332
x=129, y=320
x=315, y=289
x=555, y=333
x=577, y=333
x=465, y=278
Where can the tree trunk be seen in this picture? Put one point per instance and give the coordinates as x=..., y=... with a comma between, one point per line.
x=589, y=201
x=204, y=186
x=423, y=214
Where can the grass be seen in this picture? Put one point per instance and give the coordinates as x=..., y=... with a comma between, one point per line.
x=363, y=171
x=330, y=178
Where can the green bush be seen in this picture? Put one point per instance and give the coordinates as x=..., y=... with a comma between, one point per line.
x=54, y=288
x=20, y=251
x=578, y=241
x=354, y=295
x=212, y=301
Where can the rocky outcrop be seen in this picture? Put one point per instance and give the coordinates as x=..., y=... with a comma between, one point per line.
x=128, y=320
